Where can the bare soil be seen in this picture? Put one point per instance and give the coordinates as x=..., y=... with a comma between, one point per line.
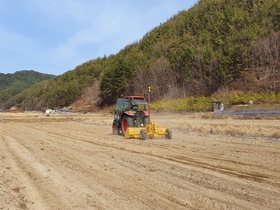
x=73, y=161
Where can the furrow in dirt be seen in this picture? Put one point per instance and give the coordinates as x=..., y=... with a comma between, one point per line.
x=76, y=163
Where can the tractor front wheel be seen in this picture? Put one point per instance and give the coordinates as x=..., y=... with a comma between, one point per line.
x=126, y=122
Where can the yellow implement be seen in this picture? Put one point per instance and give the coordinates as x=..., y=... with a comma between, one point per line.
x=150, y=131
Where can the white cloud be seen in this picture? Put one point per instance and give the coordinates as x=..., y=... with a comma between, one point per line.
x=58, y=35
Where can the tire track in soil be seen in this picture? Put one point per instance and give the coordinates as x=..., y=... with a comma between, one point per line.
x=50, y=177
x=183, y=160
x=151, y=190
x=76, y=164
x=40, y=175
x=26, y=194
x=256, y=176
x=109, y=160
x=157, y=167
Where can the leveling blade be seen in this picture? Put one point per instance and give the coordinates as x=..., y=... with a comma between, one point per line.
x=135, y=133
x=154, y=131
x=150, y=131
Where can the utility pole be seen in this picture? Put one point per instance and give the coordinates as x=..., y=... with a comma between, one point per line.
x=149, y=99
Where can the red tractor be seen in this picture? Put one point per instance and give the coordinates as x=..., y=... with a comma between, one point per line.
x=130, y=111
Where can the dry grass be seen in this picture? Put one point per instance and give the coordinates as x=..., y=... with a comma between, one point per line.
x=262, y=126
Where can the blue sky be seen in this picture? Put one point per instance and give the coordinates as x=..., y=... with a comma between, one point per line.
x=55, y=36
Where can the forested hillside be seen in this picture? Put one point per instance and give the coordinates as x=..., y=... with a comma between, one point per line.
x=12, y=84
x=200, y=51
x=216, y=46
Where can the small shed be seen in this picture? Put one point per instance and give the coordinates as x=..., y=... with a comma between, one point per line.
x=218, y=106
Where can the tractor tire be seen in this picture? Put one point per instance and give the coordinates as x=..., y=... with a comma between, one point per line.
x=126, y=122
x=143, y=134
x=168, y=134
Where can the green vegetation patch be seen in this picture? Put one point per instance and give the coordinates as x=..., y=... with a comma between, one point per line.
x=205, y=104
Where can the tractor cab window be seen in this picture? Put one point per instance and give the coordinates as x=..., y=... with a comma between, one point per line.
x=126, y=104
x=119, y=107
x=139, y=104
x=122, y=104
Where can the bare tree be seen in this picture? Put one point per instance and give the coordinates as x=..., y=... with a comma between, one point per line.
x=141, y=81
x=163, y=78
x=265, y=59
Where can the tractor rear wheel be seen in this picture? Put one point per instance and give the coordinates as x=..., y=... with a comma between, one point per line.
x=126, y=122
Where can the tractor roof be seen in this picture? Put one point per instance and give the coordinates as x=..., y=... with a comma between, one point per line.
x=135, y=97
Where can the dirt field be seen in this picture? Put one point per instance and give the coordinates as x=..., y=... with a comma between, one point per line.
x=73, y=161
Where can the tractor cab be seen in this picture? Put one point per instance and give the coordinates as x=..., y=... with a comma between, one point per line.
x=132, y=119
x=130, y=111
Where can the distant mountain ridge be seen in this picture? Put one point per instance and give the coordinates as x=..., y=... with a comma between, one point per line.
x=12, y=84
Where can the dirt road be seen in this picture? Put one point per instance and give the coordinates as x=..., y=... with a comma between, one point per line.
x=74, y=162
